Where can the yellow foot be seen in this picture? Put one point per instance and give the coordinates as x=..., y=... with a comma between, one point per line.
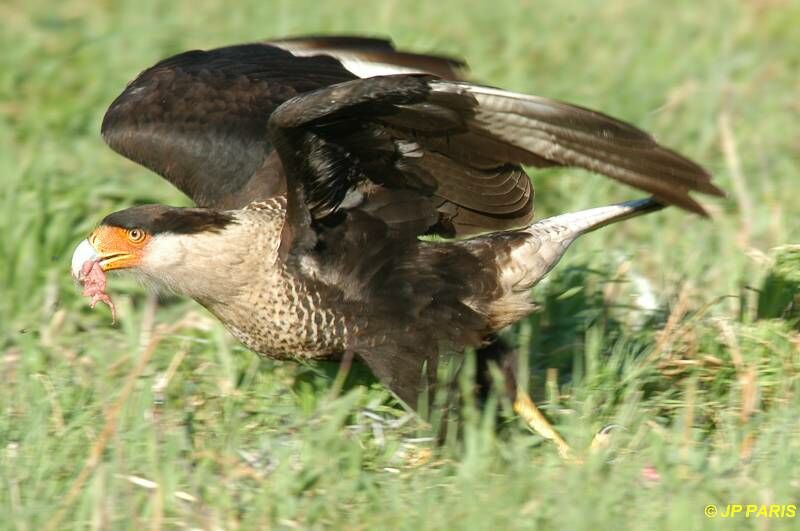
x=525, y=408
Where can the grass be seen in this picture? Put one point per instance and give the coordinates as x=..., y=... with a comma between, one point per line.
x=680, y=331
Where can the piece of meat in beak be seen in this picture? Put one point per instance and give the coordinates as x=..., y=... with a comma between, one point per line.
x=87, y=271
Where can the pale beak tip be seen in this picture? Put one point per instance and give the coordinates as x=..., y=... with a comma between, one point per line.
x=84, y=252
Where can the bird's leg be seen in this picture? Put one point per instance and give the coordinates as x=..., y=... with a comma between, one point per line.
x=525, y=408
x=499, y=352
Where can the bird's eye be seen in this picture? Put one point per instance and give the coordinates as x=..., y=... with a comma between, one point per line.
x=136, y=235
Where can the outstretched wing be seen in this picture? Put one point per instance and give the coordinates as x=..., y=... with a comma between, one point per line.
x=199, y=119
x=456, y=149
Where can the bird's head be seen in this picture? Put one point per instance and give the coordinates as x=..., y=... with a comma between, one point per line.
x=182, y=249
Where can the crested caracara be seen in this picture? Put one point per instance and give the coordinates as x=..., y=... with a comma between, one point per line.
x=314, y=179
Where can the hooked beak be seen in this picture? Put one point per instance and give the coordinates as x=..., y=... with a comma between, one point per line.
x=109, y=247
x=85, y=252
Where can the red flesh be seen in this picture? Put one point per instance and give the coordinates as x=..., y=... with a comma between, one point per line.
x=93, y=280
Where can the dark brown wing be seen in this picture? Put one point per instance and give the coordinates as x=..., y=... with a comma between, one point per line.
x=458, y=148
x=199, y=119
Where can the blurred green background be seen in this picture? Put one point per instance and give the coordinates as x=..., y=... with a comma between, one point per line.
x=655, y=325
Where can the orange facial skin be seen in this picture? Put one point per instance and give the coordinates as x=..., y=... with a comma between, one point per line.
x=118, y=248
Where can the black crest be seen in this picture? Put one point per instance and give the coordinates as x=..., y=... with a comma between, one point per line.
x=157, y=219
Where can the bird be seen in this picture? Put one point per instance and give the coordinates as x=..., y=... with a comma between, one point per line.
x=355, y=200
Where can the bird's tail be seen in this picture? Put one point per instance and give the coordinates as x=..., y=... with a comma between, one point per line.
x=525, y=256
x=549, y=238
x=573, y=224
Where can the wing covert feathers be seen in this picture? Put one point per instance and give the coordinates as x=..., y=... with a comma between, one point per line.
x=462, y=146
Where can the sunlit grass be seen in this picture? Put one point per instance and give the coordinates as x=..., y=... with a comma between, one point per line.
x=209, y=436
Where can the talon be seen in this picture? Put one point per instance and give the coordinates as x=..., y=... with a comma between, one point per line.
x=602, y=438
